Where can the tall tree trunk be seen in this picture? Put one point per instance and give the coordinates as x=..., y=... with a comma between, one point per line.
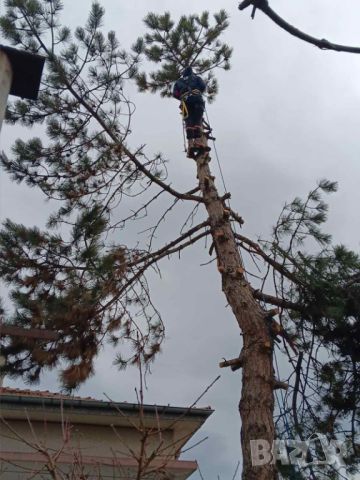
x=257, y=398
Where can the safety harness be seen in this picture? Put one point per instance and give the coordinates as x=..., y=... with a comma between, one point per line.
x=183, y=98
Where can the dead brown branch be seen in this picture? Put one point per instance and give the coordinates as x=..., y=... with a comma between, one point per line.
x=322, y=43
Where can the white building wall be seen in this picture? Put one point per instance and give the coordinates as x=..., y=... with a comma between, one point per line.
x=97, y=452
x=90, y=440
x=5, y=83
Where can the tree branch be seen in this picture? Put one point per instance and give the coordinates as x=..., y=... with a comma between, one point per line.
x=257, y=250
x=234, y=362
x=296, y=391
x=119, y=144
x=322, y=43
x=279, y=302
x=164, y=251
x=168, y=250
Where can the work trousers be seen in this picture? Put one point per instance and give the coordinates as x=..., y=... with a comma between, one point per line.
x=193, y=123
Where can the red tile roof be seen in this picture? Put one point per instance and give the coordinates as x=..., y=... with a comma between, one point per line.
x=41, y=394
x=93, y=402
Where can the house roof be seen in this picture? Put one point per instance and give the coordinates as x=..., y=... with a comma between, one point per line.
x=39, y=393
x=27, y=70
x=27, y=396
x=36, y=405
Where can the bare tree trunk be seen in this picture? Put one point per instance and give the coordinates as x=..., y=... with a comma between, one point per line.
x=257, y=399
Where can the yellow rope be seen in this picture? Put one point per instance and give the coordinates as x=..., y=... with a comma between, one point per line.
x=184, y=109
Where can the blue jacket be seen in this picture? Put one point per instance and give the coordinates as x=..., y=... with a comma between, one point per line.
x=187, y=84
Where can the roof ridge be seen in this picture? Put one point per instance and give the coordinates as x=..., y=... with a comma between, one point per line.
x=58, y=395
x=42, y=393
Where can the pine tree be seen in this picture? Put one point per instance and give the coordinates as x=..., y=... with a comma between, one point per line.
x=79, y=279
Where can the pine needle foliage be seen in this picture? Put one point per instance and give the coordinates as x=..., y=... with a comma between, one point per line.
x=193, y=41
x=73, y=281
x=324, y=288
x=77, y=278
x=81, y=281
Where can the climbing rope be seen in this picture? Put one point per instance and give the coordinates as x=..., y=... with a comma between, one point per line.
x=224, y=185
x=217, y=157
x=282, y=411
x=280, y=402
x=184, y=136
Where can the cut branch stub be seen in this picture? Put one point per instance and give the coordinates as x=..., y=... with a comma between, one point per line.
x=271, y=313
x=257, y=397
x=220, y=235
x=234, y=362
x=278, y=385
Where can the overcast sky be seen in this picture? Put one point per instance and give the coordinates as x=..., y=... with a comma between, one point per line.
x=287, y=114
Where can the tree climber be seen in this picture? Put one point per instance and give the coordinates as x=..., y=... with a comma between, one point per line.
x=189, y=89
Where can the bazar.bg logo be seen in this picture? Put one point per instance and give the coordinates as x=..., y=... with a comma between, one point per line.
x=316, y=450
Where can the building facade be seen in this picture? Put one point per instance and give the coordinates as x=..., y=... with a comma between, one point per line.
x=49, y=435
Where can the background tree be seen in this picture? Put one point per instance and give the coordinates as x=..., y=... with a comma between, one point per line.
x=326, y=382
x=88, y=165
x=318, y=297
